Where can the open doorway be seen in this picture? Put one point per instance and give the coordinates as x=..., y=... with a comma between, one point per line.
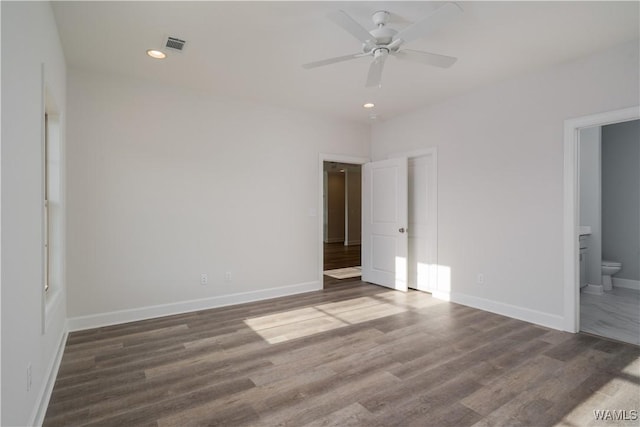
x=609, y=236
x=421, y=271
x=575, y=130
x=341, y=230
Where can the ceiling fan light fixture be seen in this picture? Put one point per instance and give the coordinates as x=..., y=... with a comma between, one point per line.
x=384, y=41
x=368, y=105
x=156, y=54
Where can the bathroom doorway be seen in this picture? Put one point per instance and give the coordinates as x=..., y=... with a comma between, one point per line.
x=609, y=230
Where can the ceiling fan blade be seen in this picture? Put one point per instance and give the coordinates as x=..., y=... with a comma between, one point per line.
x=442, y=61
x=329, y=61
x=341, y=18
x=432, y=22
x=374, y=78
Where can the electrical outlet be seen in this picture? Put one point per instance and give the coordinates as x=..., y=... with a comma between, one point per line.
x=480, y=279
x=227, y=276
x=204, y=279
x=29, y=377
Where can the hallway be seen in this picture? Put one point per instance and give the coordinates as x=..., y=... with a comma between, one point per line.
x=337, y=255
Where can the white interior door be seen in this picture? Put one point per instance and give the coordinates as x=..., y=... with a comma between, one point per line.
x=384, y=227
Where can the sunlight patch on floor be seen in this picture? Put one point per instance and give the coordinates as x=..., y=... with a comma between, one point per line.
x=299, y=323
x=605, y=406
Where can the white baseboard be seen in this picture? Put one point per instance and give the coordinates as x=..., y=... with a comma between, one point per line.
x=593, y=289
x=37, y=417
x=521, y=313
x=626, y=283
x=150, y=312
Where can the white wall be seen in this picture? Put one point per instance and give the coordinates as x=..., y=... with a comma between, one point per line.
x=165, y=184
x=621, y=197
x=354, y=204
x=335, y=207
x=29, y=39
x=500, y=177
x=590, y=200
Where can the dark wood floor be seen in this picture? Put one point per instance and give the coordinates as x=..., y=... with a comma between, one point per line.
x=351, y=355
x=337, y=255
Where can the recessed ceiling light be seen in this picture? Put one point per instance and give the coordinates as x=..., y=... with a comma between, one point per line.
x=157, y=54
x=369, y=105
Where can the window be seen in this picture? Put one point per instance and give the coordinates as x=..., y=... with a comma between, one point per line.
x=52, y=203
x=46, y=184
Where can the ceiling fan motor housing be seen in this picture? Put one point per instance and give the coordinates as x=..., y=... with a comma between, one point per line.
x=383, y=35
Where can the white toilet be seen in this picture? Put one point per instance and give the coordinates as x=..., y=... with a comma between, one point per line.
x=609, y=268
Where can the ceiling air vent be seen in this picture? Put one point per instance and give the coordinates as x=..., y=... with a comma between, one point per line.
x=175, y=44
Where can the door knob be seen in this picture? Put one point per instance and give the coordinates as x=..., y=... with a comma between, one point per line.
x=401, y=230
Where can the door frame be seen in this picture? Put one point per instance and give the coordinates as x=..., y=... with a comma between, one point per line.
x=323, y=157
x=572, y=129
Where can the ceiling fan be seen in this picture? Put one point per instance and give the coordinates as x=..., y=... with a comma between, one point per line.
x=383, y=41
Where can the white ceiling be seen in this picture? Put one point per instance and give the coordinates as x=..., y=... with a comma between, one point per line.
x=254, y=50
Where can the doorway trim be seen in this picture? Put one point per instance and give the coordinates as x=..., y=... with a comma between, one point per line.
x=323, y=157
x=572, y=129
